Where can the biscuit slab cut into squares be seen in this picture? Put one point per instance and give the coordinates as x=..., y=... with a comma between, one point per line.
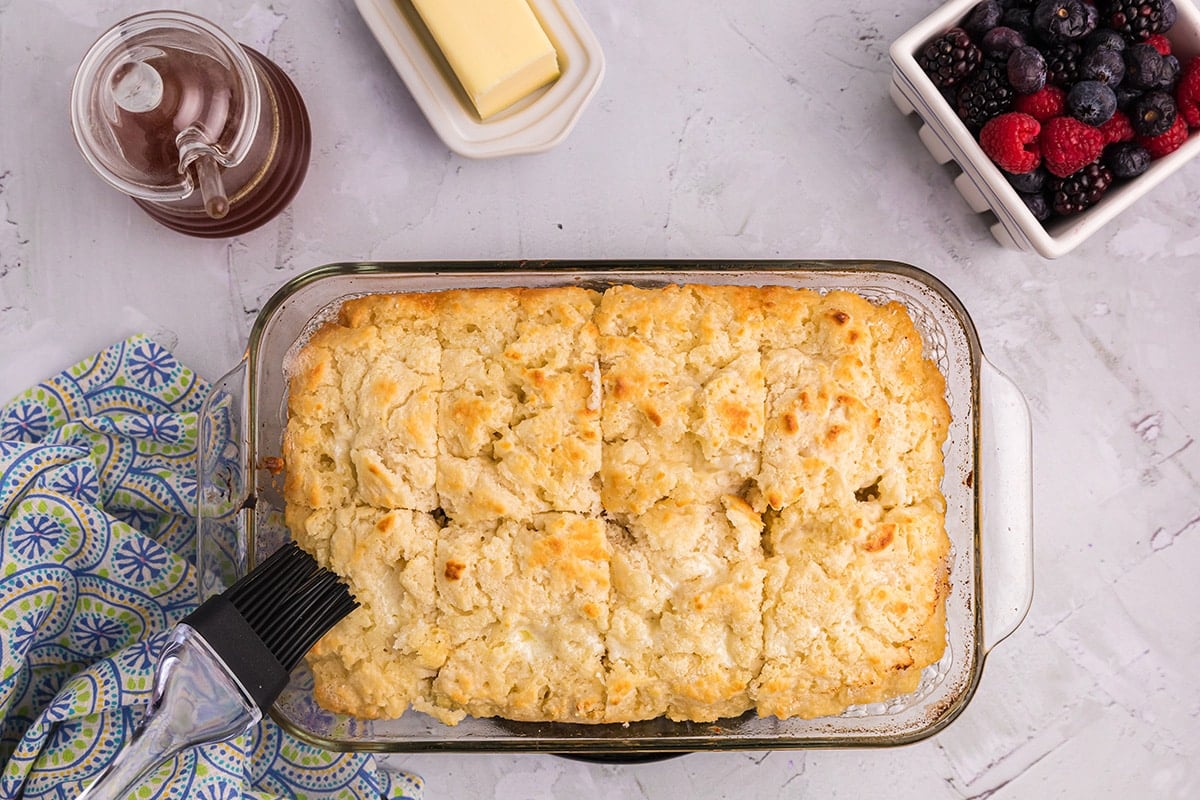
x=519, y=415
x=524, y=606
x=362, y=407
x=853, y=605
x=383, y=656
x=853, y=408
x=683, y=394
x=685, y=639
x=566, y=505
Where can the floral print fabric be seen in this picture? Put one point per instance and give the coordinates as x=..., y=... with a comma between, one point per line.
x=97, y=528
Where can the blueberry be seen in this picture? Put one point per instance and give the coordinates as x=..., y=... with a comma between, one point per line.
x=1169, y=15
x=1026, y=70
x=1091, y=102
x=1126, y=96
x=1143, y=66
x=1105, y=66
x=1000, y=42
x=982, y=18
x=1019, y=19
x=1029, y=182
x=1064, y=19
x=1170, y=73
x=1037, y=204
x=1126, y=159
x=1104, y=39
x=1153, y=113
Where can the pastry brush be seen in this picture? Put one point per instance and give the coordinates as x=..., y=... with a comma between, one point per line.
x=227, y=661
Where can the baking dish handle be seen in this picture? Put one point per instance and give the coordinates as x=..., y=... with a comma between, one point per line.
x=1006, y=505
x=224, y=489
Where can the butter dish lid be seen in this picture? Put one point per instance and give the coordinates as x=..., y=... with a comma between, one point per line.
x=533, y=124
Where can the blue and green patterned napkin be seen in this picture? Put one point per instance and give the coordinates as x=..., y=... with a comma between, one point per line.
x=97, y=488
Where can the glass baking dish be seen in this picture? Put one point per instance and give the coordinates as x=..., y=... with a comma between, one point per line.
x=987, y=486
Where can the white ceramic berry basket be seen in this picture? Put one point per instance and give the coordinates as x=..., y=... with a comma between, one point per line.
x=981, y=183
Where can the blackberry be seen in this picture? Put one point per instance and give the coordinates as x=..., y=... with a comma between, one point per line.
x=1079, y=190
x=950, y=58
x=1153, y=114
x=1126, y=159
x=1062, y=63
x=986, y=94
x=1136, y=20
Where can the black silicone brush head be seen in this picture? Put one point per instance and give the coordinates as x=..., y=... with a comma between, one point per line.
x=264, y=624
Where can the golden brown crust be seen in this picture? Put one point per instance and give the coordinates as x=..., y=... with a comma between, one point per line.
x=559, y=504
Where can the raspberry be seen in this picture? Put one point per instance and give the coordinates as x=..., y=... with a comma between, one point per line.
x=1011, y=140
x=1187, y=93
x=1068, y=145
x=1117, y=129
x=1083, y=189
x=1160, y=43
x=1168, y=142
x=1042, y=105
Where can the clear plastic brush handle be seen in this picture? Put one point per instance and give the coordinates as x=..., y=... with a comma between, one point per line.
x=196, y=701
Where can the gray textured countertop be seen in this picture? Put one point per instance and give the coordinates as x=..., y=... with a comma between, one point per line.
x=755, y=130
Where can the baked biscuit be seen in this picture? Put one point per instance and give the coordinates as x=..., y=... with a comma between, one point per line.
x=853, y=606
x=518, y=425
x=383, y=657
x=362, y=408
x=524, y=606
x=853, y=408
x=682, y=411
x=686, y=632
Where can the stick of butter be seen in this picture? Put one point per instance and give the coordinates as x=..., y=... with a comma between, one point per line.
x=497, y=48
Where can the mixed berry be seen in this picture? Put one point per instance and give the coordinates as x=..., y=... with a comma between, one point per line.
x=1068, y=97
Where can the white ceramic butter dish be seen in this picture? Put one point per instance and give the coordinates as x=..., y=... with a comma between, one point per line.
x=533, y=124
